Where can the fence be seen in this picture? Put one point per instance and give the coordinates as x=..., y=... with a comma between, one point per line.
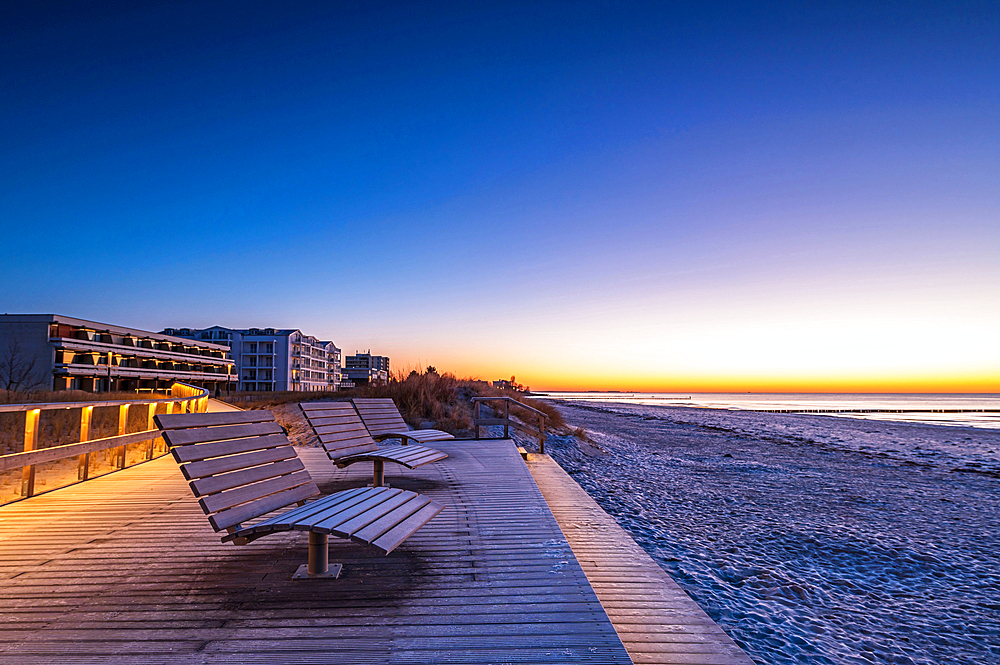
x=506, y=420
x=42, y=466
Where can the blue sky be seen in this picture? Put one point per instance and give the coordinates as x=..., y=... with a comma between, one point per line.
x=584, y=194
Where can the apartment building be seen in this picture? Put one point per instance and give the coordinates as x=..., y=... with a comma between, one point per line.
x=364, y=368
x=53, y=352
x=271, y=359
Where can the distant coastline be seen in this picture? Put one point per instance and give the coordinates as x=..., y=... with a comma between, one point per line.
x=953, y=409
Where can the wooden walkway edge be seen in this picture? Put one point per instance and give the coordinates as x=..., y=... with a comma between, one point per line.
x=655, y=619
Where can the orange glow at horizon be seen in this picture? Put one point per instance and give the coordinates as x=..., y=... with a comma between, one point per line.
x=798, y=350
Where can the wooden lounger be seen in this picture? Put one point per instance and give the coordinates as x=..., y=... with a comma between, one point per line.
x=241, y=466
x=383, y=421
x=346, y=440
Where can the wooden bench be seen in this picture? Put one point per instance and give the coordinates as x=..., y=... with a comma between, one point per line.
x=242, y=467
x=346, y=441
x=383, y=421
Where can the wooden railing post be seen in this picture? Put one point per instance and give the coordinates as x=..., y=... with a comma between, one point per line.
x=475, y=417
x=30, y=442
x=122, y=425
x=506, y=419
x=83, y=465
x=150, y=425
x=541, y=434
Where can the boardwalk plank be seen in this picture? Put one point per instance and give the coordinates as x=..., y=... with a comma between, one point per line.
x=124, y=569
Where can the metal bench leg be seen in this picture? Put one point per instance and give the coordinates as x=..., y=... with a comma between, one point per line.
x=318, y=566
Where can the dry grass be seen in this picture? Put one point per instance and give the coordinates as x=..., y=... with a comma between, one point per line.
x=428, y=399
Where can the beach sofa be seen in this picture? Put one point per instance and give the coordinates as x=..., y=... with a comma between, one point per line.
x=346, y=440
x=242, y=467
x=384, y=421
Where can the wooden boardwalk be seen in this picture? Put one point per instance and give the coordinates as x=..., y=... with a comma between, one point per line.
x=125, y=569
x=656, y=620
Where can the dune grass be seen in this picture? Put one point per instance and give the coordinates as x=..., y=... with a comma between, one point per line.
x=425, y=399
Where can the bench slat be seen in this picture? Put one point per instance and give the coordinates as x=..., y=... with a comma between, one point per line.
x=247, y=511
x=421, y=435
x=187, y=437
x=336, y=453
x=339, y=419
x=392, y=538
x=195, y=470
x=345, y=449
x=228, y=481
x=348, y=438
x=248, y=493
x=383, y=419
x=303, y=513
x=424, y=458
x=407, y=453
x=344, y=428
x=330, y=522
x=170, y=421
x=209, y=450
x=392, y=510
x=323, y=406
x=377, y=528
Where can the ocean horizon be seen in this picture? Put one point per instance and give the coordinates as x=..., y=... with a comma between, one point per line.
x=951, y=409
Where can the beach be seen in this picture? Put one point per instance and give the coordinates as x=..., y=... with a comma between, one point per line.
x=809, y=538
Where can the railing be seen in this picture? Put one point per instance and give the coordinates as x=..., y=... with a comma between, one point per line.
x=183, y=399
x=506, y=420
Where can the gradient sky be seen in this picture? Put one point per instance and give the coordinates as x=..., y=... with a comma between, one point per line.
x=646, y=196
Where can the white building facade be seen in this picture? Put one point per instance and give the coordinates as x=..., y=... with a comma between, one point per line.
x=270, y=359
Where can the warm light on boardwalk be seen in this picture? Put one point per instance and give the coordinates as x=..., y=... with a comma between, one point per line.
x=479, y=583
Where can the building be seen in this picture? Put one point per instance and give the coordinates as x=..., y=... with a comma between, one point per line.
x=270, y=359
x=364, y=368
x=48, y=351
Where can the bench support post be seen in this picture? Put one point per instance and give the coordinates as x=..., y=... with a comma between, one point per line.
x=319, y=565
x=378, y=473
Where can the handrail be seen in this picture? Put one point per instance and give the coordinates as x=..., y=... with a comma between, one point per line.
x=45, y=406
x=184, y=398
x=520, y=404
x=32, y=457
x=507, y=422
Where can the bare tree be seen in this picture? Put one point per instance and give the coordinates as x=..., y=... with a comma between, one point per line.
x=18, y=369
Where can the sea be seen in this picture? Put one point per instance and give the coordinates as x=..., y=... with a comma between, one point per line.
x=963, y=409
x=830, y=529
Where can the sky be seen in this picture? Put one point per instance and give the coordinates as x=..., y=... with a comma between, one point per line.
x=589, y=195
